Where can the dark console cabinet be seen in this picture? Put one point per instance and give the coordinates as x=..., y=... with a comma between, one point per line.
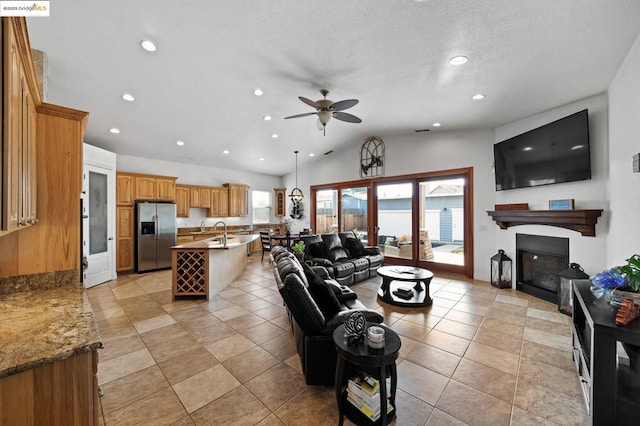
x=607, y=358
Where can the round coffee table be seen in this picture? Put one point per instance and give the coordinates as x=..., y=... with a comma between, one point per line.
x=394, y=290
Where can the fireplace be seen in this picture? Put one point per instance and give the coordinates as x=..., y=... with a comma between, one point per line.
x=538, y=261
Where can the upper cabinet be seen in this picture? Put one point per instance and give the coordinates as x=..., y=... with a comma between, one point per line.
x=200, y=197
x=145, y=188
x=166, y=188
x=280, y=202
x=182, y=200
x=18, y=177
x=237, y=199
x=219, y=202
x=124, y=189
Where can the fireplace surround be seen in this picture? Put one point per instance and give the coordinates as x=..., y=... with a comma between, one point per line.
x=538, y=260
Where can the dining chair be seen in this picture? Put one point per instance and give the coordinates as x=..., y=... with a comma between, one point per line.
x=305, y=231
x=265, y=240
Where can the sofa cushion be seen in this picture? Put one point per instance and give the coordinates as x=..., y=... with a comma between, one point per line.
x=290, y=265
x=319, y=249
x=323, y=295
x=343, y=269
x=301, y=304
x=355, y=247
x=336, y=251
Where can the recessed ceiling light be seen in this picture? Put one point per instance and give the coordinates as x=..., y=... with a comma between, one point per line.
x=458, y=60
x=114, y=130
x=573, y=148
x=261, y=159
x=275, y=136
x=128, y=97
x=180, y=143
x=267, y=117
x=527, y=148
x=311, y=154
x=225, y=151
x=258, y=92
x=478, y=97
x=148, y=45
x=436, y=124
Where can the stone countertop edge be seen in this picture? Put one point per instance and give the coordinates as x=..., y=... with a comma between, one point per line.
x=193, y=230
x=44, y=326
x=234, y=242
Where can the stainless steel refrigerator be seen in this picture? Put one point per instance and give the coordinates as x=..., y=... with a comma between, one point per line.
x=155, y=235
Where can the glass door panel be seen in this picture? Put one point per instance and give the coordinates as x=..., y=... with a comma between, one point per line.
x=326, y=211
x=395, y=218
x=442, y=221
x=353, y=214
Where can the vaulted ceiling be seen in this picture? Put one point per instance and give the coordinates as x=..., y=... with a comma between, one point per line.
x=525, y=56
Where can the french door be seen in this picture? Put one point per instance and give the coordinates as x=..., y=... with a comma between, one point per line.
x=422, y=220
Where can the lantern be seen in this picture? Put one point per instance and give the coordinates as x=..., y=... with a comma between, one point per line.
x=565, y=292
x=501, y=270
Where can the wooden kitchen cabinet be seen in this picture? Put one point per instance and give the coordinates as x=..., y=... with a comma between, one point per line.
x=200, y=197
x=182, y=201
x=124, y=238
x=237, y=199
x=124, y=189
x=166, y=187
x=18, y=180
x=280, y=202
x=145, y=188
x=219, y=202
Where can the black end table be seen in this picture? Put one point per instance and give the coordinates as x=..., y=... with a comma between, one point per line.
x=418, y=294
x=378, y=363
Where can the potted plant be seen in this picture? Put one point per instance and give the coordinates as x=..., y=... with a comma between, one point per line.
x=298, y=250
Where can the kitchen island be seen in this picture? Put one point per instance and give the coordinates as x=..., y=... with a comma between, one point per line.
x=204, y=268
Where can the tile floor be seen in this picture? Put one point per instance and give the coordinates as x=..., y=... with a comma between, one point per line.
x=478, y=356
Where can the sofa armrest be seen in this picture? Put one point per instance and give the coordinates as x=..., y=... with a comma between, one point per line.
x=321, y=271
x=319, y=261
x=372, y=250
x=369, y=314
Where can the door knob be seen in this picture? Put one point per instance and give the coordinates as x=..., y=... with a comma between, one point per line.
x=110, y=239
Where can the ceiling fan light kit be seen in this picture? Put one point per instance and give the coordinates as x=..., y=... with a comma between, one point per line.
x=326, y=109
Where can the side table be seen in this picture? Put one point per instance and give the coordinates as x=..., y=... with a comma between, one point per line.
x=378, y=363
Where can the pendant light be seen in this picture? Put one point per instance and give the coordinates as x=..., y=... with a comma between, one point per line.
x=296, y=193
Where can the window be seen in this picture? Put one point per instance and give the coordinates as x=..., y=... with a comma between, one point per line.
x=261, y=206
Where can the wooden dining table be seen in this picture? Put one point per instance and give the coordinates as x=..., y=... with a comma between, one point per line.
x=284, y=239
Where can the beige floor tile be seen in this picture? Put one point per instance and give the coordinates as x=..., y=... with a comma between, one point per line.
x=153, y=323
x=230, y=292
x=492, y=357
x=509, y=307
x=548, y=339
x=244, y=321
x=282, y=346
x=503, y=327
x=128, y=290
x=409, y=329
x=422, y=319
x=406, y=345
x=230, y=347
x=471, y=308
x=480, y=300
x=187, y=364
x=162, y=407
x=552, y=356
x=548, y=326
x=277, y=386
x=498, y=340
x=131, y=388
x=115, y=347
x=505, y=316
x=434, y=359
x=549, y=404
x=180, y=305
x=549, y=316
x=185, y=421
x=440, y=418
x=190, y=314
x=520, y=417
x=206, y=386
x=172, y=347
x=272, y=420
x=444, y=303
x=238, y=407
x=282, y=321
x=412, y=377
x=447, y=342
x=212, y=334
x=271, y=312
x=263, y=332
x=464, y=317
x=486, y=379
x=111, y=323
x=250, y=364
x=217, y=304
x=313, y=406
x=113, y=312
x=230, y=313
x=448, y=295
x=470, y=405
x=411, y=410
x=511, y=300
x=559, y=379
x=459, y=329
x=123, y=365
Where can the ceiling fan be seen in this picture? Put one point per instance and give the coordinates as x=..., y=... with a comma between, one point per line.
x=326, y=108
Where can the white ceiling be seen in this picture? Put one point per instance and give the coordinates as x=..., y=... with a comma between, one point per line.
x=526, y=56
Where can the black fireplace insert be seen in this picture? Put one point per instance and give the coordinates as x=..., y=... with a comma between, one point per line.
x=538, y=261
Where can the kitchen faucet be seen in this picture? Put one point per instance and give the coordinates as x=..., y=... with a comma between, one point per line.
x=202, y=226
x=224, y=236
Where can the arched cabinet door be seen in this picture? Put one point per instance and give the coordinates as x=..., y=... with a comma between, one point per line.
x=280, y=202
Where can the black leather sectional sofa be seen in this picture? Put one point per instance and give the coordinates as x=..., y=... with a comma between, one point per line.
x=316, y=305
x=344, y=256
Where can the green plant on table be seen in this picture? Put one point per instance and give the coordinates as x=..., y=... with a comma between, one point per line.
x=632, y=272
x=620, y=276
x=298, y=248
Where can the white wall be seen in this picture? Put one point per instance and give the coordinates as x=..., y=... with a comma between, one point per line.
x=416, y=153
x=190, y=174
x=624, y=142
x=589, y=252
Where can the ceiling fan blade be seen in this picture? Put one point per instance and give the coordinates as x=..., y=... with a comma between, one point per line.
x=310, y=102
x=342, y=105
x=349, y=118
x=306, y=114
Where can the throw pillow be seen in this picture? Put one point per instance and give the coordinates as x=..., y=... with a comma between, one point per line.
x=319, y=249
x=388, y=241
x=355, y=247
x=322, y=294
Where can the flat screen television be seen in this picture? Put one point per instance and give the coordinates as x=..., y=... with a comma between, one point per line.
x=554, y=153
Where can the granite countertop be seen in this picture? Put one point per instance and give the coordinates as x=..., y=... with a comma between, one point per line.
x=213, y=243
x=42, y=326
x=230, y=229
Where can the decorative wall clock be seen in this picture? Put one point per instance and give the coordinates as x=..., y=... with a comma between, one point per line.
x=372, y=157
